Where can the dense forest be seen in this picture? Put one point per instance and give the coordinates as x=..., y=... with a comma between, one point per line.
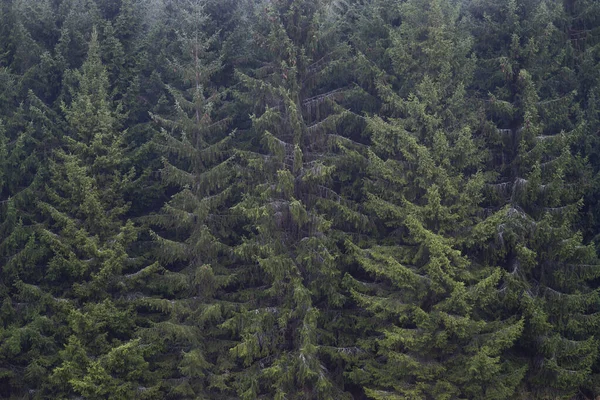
x=299, y=199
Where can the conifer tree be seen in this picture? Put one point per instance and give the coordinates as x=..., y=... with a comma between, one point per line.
x=76, y=19
x=88, y=239
x=533, y=124
x=186, y=303
x=582, y=19
x=31, y=334
x=583, y=24
x=293, y=203
x=21, y=52
x=585, y=39
x=430, y=337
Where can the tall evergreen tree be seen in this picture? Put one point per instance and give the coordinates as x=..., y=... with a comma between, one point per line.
x=430, y=336
x=293, y=203
x=88, y=238
x=30, y=333
x=188, y=300
x=532, y=127
x=582, y=22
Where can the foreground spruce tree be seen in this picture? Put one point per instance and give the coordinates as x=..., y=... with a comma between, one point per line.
x=532, y=127
x=291, y=204
x=32, y=317
x=88, y=239
x=186, y=303
x=431, y=339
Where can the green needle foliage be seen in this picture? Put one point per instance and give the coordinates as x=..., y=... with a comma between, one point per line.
x=186, y=293
x=293, y=203
x=299, y=199
x=433, y=339
x=88, y=238
x=533, y=125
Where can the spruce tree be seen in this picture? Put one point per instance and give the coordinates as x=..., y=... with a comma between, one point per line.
x=430, y=334
x=583, y=24
x=532, y=127
x=582, y=19
x=294, y=204
x=31, y=318
x=185, y=304
x=88, y=239
x=30, y=333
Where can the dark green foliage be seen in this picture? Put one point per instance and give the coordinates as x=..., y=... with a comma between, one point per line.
x=300, y=199
x=194, y=230
x=432, y=340
x=292, y=205
x=88, y=239
x=534, y=123
x=30, y=336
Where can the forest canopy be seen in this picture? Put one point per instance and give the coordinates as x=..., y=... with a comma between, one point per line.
x=299, y=199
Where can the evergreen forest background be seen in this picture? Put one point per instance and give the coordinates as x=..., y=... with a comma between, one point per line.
x=299, y=199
